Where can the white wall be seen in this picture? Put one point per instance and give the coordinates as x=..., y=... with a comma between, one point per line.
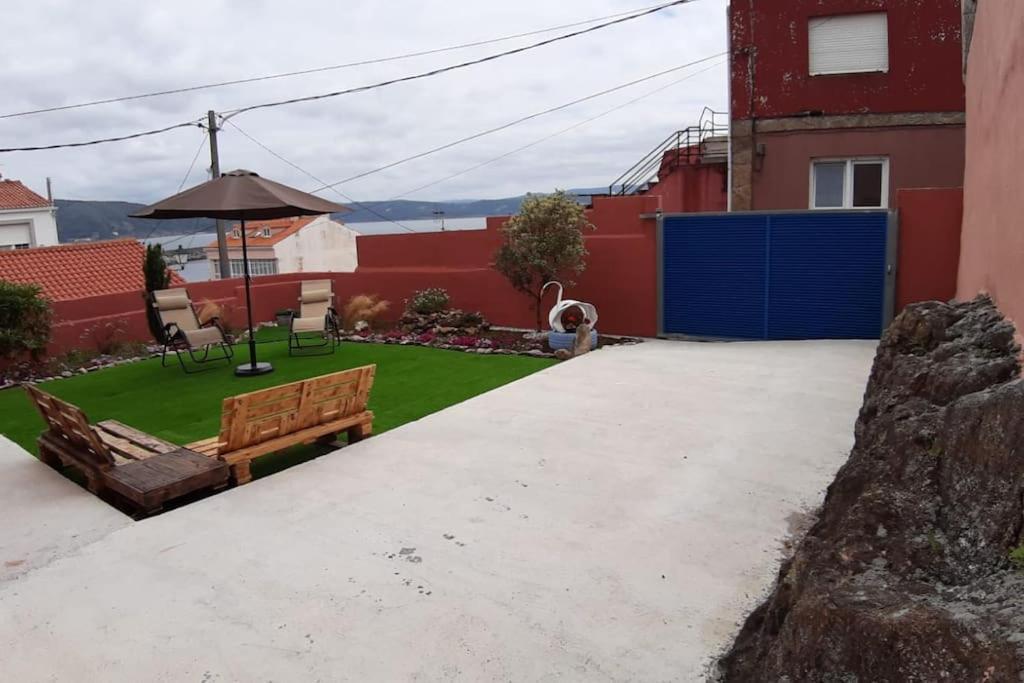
x=42, y=222
x=323, y=246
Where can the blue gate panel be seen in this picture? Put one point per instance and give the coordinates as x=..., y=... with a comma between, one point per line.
x=714, y=276
x=799, y=275
x=826, y=275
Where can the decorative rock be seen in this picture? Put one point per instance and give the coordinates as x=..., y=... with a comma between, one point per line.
x=361, y=325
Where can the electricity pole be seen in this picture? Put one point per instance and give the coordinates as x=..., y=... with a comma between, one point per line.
x=222, y=238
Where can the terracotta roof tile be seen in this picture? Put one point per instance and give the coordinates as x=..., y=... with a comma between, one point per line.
x=14, y=195
x=77, y=271
x=279, y=229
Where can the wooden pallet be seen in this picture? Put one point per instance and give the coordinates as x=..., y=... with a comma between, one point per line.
x=115, y=458
x=312, y=410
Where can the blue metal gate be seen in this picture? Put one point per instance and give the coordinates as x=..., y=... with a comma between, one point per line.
x=791, y=275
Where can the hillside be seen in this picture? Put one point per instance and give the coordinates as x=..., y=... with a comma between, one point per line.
x=92, y=220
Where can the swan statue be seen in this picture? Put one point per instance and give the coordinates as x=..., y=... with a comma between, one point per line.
x=562, y=305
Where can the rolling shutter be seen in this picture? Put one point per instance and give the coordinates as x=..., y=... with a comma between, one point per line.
x=15, y=233
x=850, y=43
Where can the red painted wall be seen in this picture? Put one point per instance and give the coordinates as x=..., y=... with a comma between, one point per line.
x=929, y=251
x=770, y=61
x=620, y=280
x=919, y=156
x=992, y=246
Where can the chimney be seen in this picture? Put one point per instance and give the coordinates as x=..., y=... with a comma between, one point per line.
x=49, y=190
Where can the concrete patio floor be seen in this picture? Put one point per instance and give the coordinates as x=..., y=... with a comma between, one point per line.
x=611, y=518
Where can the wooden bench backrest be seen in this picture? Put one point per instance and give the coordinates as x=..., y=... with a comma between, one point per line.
x=253, y=418
x=68, y=422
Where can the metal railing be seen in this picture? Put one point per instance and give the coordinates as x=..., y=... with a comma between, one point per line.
x=685, y=143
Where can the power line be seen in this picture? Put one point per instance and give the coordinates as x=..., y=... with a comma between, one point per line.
x=310, y=175
x=556, y=134
x=188, y=173
x=321, y=69
x=364, y=88
x=516, y=122
x=101, y=141
x=461, y=65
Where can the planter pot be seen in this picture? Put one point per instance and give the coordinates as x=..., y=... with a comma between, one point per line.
x=567, y=340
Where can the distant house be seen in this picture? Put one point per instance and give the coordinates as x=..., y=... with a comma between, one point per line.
x=26, y=219
x=80, y=271
x=309, y=244
x=837, y=105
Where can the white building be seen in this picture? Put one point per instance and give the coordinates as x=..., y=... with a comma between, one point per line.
x=309, y=244
x=26, y=219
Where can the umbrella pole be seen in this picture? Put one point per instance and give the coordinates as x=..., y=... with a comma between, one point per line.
x=252, y=367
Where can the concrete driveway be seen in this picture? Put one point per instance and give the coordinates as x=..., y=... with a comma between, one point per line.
x=612, y=518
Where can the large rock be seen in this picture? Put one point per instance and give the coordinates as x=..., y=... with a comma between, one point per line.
x=906, y=575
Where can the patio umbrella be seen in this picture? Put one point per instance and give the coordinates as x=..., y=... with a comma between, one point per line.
x=241, y=195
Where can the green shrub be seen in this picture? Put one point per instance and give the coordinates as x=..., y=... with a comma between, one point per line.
x=426, y=301
x=154, y=269
x=1017, y=557
x=24, y=320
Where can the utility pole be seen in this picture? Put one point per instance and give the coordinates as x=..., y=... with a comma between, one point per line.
x=440, y=213
x=222, y=237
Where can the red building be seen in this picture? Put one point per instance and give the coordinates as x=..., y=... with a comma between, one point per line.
x=840, y=104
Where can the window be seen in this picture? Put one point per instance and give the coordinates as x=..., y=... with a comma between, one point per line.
x=236, y=233
x=265, y=232
x=850, y=184
x=10, y=247
x=256, y=267
x=849, y=43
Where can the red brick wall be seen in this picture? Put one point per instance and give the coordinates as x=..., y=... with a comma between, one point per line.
x=770, y=61
x=929, y=250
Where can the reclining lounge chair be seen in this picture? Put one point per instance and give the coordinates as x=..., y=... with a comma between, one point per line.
x=317, y=319
x=184, y=334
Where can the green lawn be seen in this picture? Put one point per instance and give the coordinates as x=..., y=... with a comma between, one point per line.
x=411, y=382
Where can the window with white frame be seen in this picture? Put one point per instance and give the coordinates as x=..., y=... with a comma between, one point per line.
x=849, y=43
x=861, y=183
x=265, y=232
x=236, y=233
x=256, y=267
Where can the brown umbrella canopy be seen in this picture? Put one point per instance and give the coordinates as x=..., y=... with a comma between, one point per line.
x=240, y=195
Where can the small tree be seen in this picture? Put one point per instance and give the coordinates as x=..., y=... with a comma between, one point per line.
x=154, y=269
x=543, y=242
x=24, y=320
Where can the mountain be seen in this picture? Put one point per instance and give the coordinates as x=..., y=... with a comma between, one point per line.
x=96, y=220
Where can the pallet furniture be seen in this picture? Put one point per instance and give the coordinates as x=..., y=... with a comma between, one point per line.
x=317, y=316
x=146, y=471
x=270, y=420
x=183, y=333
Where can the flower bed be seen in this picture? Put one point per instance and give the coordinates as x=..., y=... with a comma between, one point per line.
x=488, y=341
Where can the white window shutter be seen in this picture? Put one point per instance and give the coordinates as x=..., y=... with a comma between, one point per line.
x=849, y=43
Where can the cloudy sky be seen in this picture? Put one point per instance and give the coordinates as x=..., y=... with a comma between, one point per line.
x=58, y=52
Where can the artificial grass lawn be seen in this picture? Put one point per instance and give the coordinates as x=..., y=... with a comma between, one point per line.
x=411, y=382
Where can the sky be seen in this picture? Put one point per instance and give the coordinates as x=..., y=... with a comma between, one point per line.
x=62, y=52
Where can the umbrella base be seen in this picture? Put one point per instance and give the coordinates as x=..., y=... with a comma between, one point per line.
x=247, y=369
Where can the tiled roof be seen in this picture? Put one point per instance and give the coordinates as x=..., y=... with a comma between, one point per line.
x=14, y=195
x=279, y=229
x=76, y=271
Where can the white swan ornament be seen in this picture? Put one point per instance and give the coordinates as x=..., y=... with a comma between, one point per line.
x=562, y=305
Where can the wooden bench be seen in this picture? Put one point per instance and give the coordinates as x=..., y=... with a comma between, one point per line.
x=270, y=420
x=145, y=470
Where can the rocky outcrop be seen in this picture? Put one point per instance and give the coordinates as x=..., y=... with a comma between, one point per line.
x=907, y=576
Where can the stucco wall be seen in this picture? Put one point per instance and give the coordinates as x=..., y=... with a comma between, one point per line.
x=992, y=241
x=322, y=246
x=919, y=156
x=929, y=248
x=770, y=63
x=43, y=224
